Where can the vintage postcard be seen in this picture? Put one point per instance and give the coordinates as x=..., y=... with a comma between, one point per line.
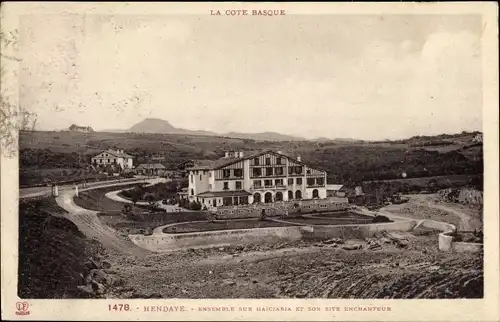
x=249, y=161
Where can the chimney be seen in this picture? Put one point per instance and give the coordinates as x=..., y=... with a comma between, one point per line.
x=298, y=158
x=226, y=155
x=279, y=152
x=241, y=154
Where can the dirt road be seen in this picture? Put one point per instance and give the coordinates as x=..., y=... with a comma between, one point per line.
x=465, y=218
x=88, y=223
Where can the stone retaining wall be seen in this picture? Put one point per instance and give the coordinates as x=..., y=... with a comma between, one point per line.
x=170, y=242
x=279, y=208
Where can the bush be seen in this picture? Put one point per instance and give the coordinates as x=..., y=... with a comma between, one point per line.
x=380, y=219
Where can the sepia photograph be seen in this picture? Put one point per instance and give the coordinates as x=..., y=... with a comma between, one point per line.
x=243, y=152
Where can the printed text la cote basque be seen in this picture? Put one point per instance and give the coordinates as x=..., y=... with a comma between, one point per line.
x=245, y=12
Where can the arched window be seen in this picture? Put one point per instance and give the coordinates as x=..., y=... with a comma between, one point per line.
x=268, y=197
x=256, y=197
x=315, y=193
x=279, y=196
x=192, y=192
x=290, y=195
x=298, y=194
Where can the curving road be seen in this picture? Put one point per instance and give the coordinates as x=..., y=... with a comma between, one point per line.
x=89, y=224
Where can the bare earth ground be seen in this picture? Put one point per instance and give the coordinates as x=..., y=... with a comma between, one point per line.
x=302, y=269
x=316, y=270
x=464, y=217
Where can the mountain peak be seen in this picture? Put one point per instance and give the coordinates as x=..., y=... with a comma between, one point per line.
x=153, y=125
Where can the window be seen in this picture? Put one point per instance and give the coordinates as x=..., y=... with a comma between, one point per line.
x=278, y=160
x=210, y=187
x=244, y=200
x=238, y=185
x=192, y=178
x=310, y=181
x=227, y=201
x=308, y=171
x=298, y=170
x=268, y=161
x=290, y=181
x=200, y=177
x=238, y=173
x=108, y=161
x=257, y=183
x=279, y=171
x=278, y=182
x=226, y=173
x=320, y=181
x=100, y=161
x=257, y=172
x=256, y=161
x=268, y=183
x=269, y=171
x=210, y=174
x=235, y=201
x=299, y=180
x=226, y=185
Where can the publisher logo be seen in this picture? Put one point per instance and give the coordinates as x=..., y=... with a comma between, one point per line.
x=22, y=308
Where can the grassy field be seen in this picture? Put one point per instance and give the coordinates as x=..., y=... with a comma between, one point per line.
x=222, y=225
x=96, y=200
x=346, y=162
x=144, y=223
x=34, y=176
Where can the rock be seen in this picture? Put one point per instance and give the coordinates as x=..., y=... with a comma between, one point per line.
x=105, y=265
x=86, y=289
x=90, y=265
x=99, y=276
x=98, y=288
x=352, y=247
x=221, y=249
x=229, y=282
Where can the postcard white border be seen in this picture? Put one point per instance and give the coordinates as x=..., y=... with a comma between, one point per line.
x=401, y=310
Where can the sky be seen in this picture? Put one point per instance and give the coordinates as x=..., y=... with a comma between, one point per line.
x=337, y=76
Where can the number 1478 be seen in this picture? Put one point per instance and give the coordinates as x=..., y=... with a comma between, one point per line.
x=119, y=307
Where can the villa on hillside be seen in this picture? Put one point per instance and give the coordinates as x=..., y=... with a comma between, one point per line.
x=113, y=157
x=261, y=177
x=84, y=129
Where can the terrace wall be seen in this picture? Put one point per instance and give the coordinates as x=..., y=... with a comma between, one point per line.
x=166, y=242
x=170, y=242
x=279, y=208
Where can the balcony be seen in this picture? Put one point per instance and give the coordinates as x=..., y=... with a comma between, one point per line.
x=315, y=185
x=273, y=186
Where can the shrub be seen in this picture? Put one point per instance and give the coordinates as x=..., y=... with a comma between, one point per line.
x=380, y=219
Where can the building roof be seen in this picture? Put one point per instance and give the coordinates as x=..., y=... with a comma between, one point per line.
x=239, y=193
x=222, y=162
x=335, y=187
x=151, y=166
x=117, y=154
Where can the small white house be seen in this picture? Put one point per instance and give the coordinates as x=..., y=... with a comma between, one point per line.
x=113, y=157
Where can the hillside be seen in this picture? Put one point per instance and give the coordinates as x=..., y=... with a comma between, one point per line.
x=345, y=162
x=154, y=125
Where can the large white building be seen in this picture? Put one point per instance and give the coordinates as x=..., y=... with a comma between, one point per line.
x=262, y=177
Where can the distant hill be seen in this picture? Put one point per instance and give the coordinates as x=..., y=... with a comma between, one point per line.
x=265, y=136
x=154, y=125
